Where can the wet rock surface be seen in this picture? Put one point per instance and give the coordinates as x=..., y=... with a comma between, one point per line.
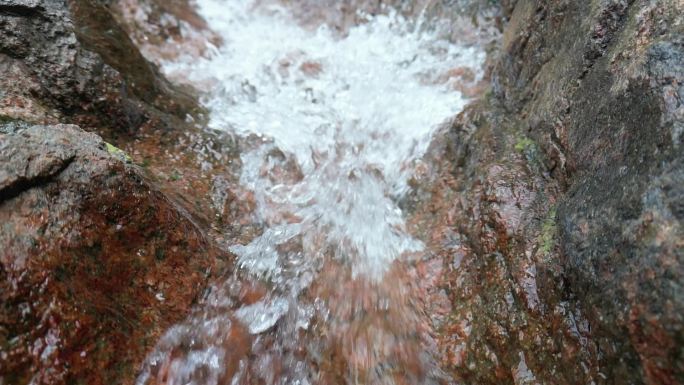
x=552, y=207
x=562, y=190
x=102, y=248
x=95, y=264
x=165, y=30
x=79, y=65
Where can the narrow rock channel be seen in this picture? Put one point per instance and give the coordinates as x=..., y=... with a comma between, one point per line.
x=341, y=192
x=335, y=125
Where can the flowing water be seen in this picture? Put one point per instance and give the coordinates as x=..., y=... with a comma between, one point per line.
x=334, y=125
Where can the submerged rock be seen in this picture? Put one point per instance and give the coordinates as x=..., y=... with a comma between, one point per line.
x=95, y=263
x=165, y=30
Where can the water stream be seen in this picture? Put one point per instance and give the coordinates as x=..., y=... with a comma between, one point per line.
x=334, y=125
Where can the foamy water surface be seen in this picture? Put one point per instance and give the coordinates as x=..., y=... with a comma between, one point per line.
x=342, y=123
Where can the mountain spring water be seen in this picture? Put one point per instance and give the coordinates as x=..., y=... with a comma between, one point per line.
x=335, y=125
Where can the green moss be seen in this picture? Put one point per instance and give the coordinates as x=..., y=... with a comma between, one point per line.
x=117, y=152
x=530, y=150
x=61, y=274
x=524, y=144
x=160, y=254
x=547, y=239
x=122, y=370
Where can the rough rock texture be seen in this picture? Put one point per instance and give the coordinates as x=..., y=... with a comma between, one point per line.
x=100, y=252
x=73, y=62
x=95, y=263
x=164, y=30
x=563, y=198
x=555, y=202
x=76, y=64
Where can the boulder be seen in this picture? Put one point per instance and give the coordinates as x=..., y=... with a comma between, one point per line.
x=563, y=200
x=70, y=61
x=95, y=263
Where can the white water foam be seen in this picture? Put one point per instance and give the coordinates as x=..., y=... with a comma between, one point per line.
x=344, y=121
x=355, y=112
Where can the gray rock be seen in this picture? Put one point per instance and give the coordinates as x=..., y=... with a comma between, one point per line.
x=87, y=69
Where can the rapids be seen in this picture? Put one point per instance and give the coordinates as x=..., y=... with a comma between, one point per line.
x=334, y=126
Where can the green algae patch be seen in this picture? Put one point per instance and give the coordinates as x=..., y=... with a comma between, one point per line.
x=547, y=238
x=117, y=152
x=524, y=144
x=530, y=150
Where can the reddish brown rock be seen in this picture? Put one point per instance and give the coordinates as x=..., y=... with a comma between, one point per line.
x=165, y=30
x=557, y=201
x=100, y=256
x=95, y=264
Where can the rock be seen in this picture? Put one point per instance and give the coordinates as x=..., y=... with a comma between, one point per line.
x=82, y=68
x=100, y=254
x=21, y=7
x=165, y=30
x=555, y=201
x=30, y=163
x=566, y=231
x=95, y=262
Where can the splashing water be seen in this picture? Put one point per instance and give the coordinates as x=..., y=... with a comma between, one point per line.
x=341, y=122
